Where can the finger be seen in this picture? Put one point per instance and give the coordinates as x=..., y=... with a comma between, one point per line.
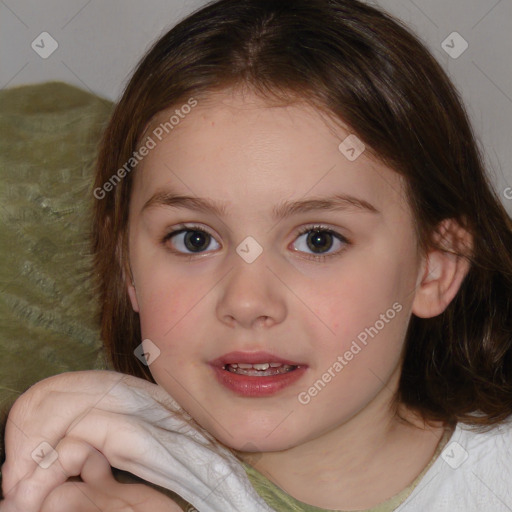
x=29, y=493
x=68, y=459
x=81, y=497
x=97, y=471
x=75, y=496
x=33, y=419
x=86, y=496
x=93, y=432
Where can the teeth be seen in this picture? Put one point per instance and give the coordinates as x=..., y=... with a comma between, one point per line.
x=261, y=366
x=258, y=366
x=259, y=369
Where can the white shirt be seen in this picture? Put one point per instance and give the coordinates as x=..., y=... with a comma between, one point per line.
x=472, y=474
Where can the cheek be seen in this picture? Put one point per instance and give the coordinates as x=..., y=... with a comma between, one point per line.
x=169, y=306
x=355, y=296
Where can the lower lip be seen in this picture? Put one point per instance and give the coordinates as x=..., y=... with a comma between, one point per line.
x=250, y=386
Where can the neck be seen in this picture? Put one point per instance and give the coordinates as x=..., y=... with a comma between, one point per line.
x=358, y=464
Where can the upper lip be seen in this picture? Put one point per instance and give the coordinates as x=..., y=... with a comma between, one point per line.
x=251, y=358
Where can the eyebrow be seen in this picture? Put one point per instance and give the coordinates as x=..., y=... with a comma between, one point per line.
x=337, y=202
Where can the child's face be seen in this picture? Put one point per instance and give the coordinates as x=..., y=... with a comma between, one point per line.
x=254, y=160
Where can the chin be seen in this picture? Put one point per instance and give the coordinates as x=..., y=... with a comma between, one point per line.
x=254, y=440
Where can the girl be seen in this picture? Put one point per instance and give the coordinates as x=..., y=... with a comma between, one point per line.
x=295, y=238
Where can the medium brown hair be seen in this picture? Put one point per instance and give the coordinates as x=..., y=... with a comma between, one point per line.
x=365, y=68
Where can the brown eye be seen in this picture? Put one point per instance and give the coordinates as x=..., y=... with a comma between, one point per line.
x=192, y=240
x=319, y=241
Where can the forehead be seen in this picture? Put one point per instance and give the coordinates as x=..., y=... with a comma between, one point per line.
x=243, y=150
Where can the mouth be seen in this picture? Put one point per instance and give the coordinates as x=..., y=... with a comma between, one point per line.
x=256, y=374
x=260, y=369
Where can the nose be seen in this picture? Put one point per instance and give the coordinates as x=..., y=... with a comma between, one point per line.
x=252, y=297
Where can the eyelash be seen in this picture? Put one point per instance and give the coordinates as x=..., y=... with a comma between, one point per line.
x=319, y=257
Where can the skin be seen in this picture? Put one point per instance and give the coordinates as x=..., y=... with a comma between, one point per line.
x=345, y=448
x=52, y=488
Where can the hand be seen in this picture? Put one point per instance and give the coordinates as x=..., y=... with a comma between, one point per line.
x=48, y=489
x=137, y=427
x=51, y=408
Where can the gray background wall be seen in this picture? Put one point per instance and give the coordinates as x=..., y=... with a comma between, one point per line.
x=100, y=42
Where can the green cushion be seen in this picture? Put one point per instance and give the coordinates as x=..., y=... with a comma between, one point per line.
x=49, y=135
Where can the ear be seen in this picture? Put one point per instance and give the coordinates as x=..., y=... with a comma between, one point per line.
x=442, y=272
x=128, y=279
x=132, y=293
